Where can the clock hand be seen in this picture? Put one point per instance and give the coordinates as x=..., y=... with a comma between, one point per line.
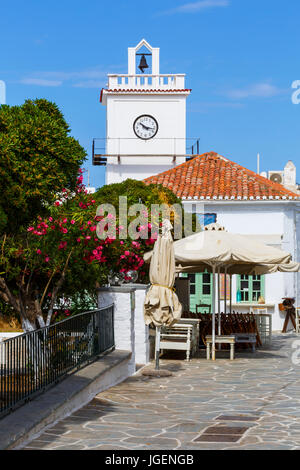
x=148, y=128
x=145, y=127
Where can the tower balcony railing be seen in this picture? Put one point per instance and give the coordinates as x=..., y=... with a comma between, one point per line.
x=161, y=82
x=105, y=148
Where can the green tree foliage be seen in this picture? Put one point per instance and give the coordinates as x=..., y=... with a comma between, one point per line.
x=135, y=191
x=38, y=158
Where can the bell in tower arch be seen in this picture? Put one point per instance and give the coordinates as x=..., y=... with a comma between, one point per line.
x=143, y=64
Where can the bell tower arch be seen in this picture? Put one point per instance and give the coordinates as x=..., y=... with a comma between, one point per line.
x=132, y=57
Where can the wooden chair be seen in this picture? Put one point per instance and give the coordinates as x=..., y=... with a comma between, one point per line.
x=208, y=306
x=179, y=337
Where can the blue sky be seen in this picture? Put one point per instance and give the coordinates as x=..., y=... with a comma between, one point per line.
x=240, y=57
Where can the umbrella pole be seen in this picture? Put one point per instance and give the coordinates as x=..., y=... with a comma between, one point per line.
x=157, y=372
x=219, y=307
x=225, y=294
x=213, y=352
x=157, y=347
x=230, y=304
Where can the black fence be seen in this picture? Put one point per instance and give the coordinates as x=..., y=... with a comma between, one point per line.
x=33, y=361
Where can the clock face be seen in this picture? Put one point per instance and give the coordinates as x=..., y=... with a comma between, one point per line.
x=145, y=127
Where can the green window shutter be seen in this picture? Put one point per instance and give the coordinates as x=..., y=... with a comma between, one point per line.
x=250, y=287
x=258, y=287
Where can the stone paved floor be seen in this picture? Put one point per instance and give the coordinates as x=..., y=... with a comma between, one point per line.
x=260, y=393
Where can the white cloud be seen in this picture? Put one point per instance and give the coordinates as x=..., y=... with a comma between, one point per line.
x=206, y=106
x=91, y=73
x=89, y=84
x=258, y=90
x=41, y=82
x=87, y=78
x=197, y=6
x=219, y=104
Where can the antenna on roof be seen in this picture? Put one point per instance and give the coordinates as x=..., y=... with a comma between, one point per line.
x=258, y=164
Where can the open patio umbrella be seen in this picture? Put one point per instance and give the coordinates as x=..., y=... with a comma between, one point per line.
x=161, y=306
x=250, y=269
x=216, y=246
x=220, y=251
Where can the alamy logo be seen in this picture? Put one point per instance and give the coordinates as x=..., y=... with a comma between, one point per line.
x=296, y=94
x=2, y=92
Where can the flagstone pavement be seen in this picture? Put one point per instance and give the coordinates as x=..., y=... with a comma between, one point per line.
x=252, y=402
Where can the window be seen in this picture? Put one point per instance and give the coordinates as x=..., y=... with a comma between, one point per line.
x=250, y=288
x=192, y=278
x=206, y=284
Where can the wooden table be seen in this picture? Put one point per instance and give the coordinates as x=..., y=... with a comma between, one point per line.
x=221, y=340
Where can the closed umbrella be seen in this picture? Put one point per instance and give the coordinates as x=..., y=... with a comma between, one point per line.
x=161, y=306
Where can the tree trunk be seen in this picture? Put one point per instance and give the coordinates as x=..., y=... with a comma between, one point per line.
x=27, y=325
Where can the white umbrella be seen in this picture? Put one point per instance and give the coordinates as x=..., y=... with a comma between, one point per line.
x=250, y=269
x=161, y=306
x=218, y=248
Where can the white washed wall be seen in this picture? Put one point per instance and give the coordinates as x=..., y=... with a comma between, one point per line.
x=249, y=218
x=142, y=346
x=131, y=333
x=122, y=110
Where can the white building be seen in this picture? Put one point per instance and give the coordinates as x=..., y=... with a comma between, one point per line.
x=247, y=203
x=287, y=177
x=146, y=139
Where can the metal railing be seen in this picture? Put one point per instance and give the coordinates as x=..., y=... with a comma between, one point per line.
x=34, y=361
x=147, y=81
x=165, y=147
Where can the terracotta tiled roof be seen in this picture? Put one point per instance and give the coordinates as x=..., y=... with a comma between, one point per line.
x=147, y=90
x=211, y=176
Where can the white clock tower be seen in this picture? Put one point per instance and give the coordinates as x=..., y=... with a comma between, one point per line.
x=145, y=119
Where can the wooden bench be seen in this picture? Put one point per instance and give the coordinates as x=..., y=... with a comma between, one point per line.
x=246, y=338
x=195, y=332
x=220, y=340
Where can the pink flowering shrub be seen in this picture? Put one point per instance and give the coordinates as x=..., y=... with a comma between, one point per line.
x=60, y=256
